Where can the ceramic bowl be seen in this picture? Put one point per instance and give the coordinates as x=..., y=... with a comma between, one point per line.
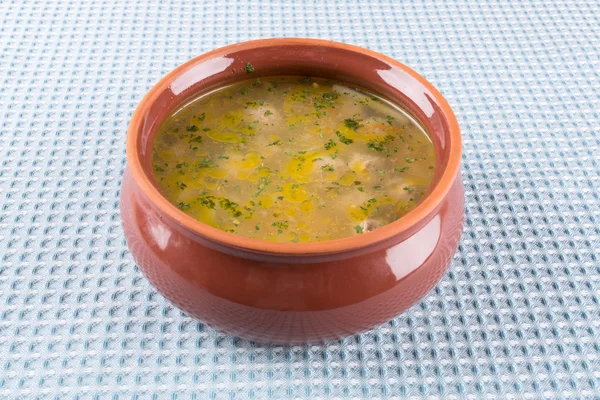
x=293, y=292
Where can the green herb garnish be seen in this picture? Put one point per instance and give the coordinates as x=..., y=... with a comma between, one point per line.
x=379, y=145
x=330, y=144
x=207, y=201
x=205, y=163
x=230, y=207
x=263, y=183
x=351, y=124
x=249, y=68
x=343, y=138
x=281, y=224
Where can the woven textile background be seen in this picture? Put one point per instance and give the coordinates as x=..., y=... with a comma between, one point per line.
x=518, y=313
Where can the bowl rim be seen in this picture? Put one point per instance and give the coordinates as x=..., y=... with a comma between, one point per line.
x=416, y=216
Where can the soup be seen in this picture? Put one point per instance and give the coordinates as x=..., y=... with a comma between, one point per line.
x=293, y=159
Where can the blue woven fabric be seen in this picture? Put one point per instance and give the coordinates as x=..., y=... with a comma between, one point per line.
x=518, y=314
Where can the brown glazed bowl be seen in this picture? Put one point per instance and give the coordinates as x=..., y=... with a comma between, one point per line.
x=293, y=292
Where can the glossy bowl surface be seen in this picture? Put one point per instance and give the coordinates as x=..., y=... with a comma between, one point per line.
x=293, y=292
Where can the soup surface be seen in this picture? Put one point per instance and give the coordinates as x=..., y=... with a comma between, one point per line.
x=292, y=159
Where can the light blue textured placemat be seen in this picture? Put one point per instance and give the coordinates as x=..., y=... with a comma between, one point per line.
x=517, y=315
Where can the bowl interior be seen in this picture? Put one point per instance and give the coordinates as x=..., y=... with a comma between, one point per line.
x=305, y=57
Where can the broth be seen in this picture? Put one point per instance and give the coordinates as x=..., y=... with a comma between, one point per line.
x=293, y=159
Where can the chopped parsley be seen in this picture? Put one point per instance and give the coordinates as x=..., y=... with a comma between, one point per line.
x=376, y=145
x=398, y=169
x=410, y=160
x=202, y=116
x=230, y=207
x=207, y=201
x=327, y=167
x=249, y=68
x=183, y=206
x=358, y=229
x=351, y=124
x=367, y=204
x=327, y=100
x=226, y=204
x=389, y=119
x=263, y=183
x=244, y=91
x=380, y=145
x=343, y=138
x=281, y=224
x=268, y=112
x=191, y=128
x=360, y=189
x=275, y=143
x=181, y=185
x=330, y=144
x=206, y=162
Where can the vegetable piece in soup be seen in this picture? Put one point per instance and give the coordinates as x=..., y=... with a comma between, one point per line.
x=293, y=159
